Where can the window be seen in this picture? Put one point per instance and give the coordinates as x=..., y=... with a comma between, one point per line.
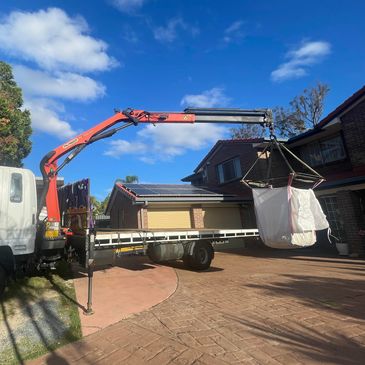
x=229, y=170
x=330, y=208
x=332, y=149
x=324, y=151
x=16, y=188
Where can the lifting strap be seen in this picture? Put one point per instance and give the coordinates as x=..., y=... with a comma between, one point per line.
x=313, y=178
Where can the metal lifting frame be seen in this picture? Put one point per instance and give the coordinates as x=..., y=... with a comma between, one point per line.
x=314, y=178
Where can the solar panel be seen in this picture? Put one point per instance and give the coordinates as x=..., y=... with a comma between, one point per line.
x=168, y=189
x=139, y=189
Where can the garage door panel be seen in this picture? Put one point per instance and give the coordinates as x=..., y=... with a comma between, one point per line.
x=223, y=218
x=167, y=218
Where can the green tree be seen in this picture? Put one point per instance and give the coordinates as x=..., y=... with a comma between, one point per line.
x=130, y=179
x=104, y=204
x=99, y=207
x=15, y=124
x=96, y=205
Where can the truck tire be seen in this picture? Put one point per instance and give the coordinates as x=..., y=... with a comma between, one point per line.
x=3, y=279
x=201, y=257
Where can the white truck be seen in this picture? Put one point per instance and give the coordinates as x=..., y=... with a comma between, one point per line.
x=28, y=240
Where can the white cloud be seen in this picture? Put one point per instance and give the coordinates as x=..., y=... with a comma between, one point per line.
x=148, y=161
x=63, y=50
x=45, y=118
x=234, y=32
x=128, y=6
x=163, y=142
x=174, y=139
x=121, y=147
x=169, y=33
x=54, y=41
x=207, y=99
x=300, y=59
x=63, y=85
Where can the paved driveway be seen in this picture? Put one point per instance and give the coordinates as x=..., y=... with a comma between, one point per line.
x=252, y=307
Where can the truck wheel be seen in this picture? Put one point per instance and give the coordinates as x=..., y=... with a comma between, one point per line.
x=201, y=257
x=3, y=278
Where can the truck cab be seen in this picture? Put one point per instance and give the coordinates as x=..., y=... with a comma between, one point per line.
x=18, y=224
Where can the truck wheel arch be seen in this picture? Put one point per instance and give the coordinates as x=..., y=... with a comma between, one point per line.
x=7, y=260
x=199, y=255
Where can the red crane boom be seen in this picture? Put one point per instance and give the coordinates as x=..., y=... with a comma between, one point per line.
x=49, y=166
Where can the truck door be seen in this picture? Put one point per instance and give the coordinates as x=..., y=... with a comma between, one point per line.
x=21, y=211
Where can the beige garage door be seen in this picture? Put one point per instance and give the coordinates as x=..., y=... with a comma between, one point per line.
x=168, y=218
x=223, y=218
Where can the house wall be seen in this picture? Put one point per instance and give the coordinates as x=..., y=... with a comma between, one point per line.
x=349, y=201
x=353, y=127
x=222, y=217
x=123, y=214
x=168, y=217
x=196, y=216
x=247, y=155
x=199, y=216
x=248, y=217
x=330, y=168
x=353, y=219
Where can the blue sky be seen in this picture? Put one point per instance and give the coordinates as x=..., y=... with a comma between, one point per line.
x=76, y=61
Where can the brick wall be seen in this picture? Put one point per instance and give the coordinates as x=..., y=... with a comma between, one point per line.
x=144, y=218
x=353, y=127
x=123, y=214
x=196, y=216
x=247, y=155
x=350, y=210
x=248, y=217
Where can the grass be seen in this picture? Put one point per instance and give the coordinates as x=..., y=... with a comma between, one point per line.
x=21, y=304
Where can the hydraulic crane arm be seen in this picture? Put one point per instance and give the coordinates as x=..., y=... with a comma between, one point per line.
x=129, y=117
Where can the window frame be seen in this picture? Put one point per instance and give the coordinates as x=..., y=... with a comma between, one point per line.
x=236, y=162
x=318, y=144
x=16, y=192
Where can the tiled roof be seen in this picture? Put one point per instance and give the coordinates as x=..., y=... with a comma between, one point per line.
x=228, y=141
x=342, y=107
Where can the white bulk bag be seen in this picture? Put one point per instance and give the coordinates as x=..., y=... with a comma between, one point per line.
x=288, y=217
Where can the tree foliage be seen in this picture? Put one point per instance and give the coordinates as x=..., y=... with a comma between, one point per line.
x=130, y=179
x=99, y=207
x=247, y=131
x=304, y=112
x=15, y=124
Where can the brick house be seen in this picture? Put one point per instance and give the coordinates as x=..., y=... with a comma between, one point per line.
x=225, y=164
x=335, y=148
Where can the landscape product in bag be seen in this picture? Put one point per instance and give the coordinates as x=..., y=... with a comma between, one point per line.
x=288, y=217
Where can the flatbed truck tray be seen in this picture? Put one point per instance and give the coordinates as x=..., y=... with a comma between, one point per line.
x=104, y=239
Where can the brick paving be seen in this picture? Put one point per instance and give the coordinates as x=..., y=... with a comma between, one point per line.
x=252, y=307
